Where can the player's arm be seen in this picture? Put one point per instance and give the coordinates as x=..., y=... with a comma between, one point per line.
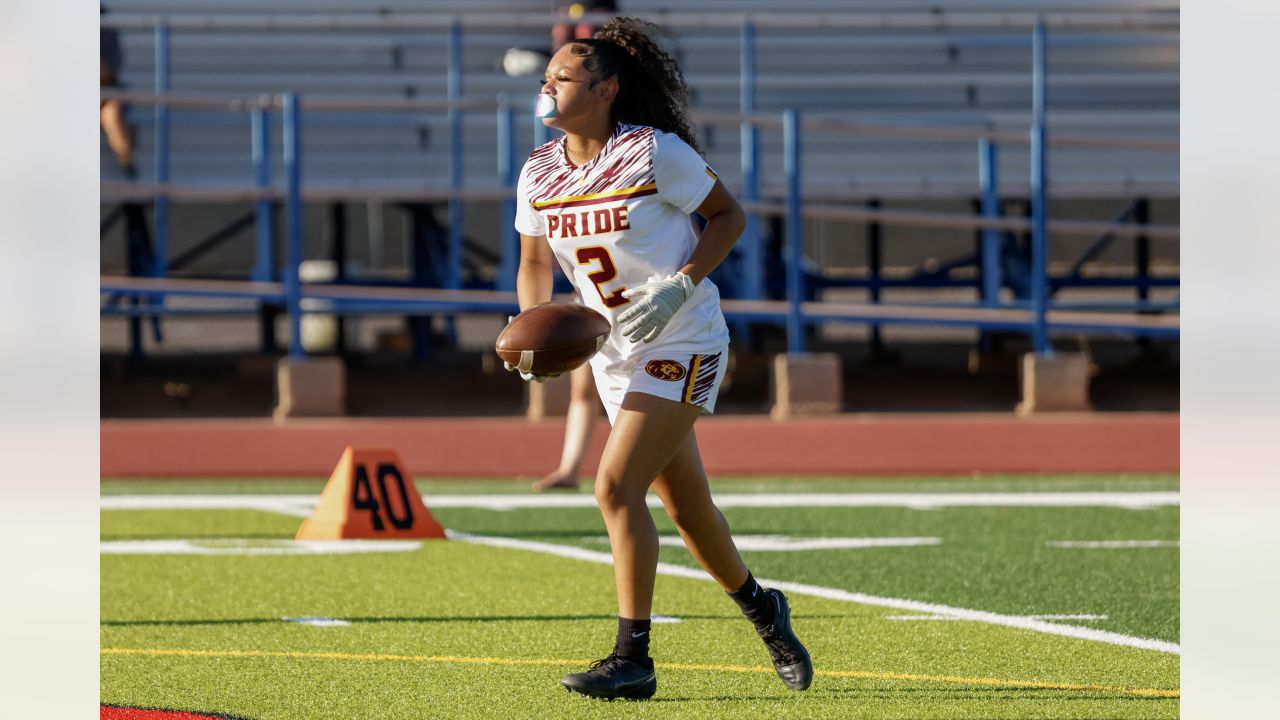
x=725, y=221
x=534, y=280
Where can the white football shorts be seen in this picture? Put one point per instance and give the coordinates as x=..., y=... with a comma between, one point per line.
x=689, y=378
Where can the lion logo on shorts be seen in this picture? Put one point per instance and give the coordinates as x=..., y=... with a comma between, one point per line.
x=668, y=370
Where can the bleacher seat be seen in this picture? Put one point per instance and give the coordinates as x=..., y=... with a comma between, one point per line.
x=1115, y=80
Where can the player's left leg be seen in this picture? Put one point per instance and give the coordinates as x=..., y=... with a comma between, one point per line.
x=646, y=433
x=682, y=485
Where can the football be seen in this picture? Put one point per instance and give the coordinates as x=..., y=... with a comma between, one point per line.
x=552, y=338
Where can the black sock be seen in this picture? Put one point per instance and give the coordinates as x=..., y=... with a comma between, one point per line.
x=633, y=640
x=755, y=604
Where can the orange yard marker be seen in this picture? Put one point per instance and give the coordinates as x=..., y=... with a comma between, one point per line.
x=369, y=495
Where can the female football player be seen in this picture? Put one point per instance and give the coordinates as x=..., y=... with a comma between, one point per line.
x=610, y=202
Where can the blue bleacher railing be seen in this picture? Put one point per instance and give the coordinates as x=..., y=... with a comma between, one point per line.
x=1039, y=193
x=796, y=315
x=293, y=220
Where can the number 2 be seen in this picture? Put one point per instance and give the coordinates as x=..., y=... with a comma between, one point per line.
x=608, y=271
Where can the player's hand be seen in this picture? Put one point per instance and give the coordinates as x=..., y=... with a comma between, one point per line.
x=653, y=305
x=527, y=376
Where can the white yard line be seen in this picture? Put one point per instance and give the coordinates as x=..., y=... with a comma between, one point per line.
x=255, y=547
x=1112, y=544
x=1079, y=616
x=319, y=621
x=783, y=543
x=291, y=503
x=1014, y=621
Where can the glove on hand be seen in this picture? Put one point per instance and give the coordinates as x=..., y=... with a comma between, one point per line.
x=526, y=376
x=653, y=305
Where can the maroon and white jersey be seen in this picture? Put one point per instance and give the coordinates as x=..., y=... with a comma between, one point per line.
x=620, y=221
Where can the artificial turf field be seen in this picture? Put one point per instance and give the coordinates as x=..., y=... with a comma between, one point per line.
x=462, y=629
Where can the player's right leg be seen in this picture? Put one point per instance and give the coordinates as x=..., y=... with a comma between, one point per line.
x=647, y=430
x=682, y=485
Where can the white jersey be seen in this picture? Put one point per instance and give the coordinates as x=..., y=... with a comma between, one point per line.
x=620, y=221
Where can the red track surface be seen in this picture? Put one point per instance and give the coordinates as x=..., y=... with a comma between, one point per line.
x=843, y=445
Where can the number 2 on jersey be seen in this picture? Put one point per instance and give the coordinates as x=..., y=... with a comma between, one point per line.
x=608, y=271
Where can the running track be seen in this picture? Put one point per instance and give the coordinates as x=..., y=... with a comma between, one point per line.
x=878, y=444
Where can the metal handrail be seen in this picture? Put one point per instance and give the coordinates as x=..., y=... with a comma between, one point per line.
x=835, y=126
x=940, y=20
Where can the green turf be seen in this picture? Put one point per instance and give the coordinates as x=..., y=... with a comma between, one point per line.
x=143, y=524
x=466, y=601
x=454, y=599
x=990, y=558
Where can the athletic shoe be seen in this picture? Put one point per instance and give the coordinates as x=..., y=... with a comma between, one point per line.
x=790, y=659
x=614, y=677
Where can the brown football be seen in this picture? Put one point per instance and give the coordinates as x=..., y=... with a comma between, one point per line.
x=552, y=338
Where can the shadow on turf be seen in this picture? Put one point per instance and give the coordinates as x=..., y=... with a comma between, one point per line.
x=416, y=619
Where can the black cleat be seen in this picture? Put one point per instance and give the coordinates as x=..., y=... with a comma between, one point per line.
x=790, y=658
x=614, y=677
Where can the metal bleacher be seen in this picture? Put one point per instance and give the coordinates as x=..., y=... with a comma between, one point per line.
x=960, y=69
x=1118, y=81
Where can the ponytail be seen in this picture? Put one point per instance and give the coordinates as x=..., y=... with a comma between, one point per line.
x=651, y=88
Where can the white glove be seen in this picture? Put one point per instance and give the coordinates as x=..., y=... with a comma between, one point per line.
x=526, y=376
x=653, y=305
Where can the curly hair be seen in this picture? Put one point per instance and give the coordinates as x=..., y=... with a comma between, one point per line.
x=651, y=88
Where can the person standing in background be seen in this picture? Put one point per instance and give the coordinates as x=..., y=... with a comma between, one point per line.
x=111, y=112
x=563, y=32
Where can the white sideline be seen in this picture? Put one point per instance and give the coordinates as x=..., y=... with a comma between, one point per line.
x=291, y=503
x=1023, y=623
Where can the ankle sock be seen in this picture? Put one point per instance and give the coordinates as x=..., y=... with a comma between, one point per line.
x=633, y=639
x=755, y=603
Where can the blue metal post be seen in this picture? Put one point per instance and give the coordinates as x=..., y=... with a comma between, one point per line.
x=989, y=182
x=293, y=220
x=453, y=263
x=752, y=263
x=795, y=242
x=161, y=259
x=264, y=267
x=507, y=179
x=1039, y=196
